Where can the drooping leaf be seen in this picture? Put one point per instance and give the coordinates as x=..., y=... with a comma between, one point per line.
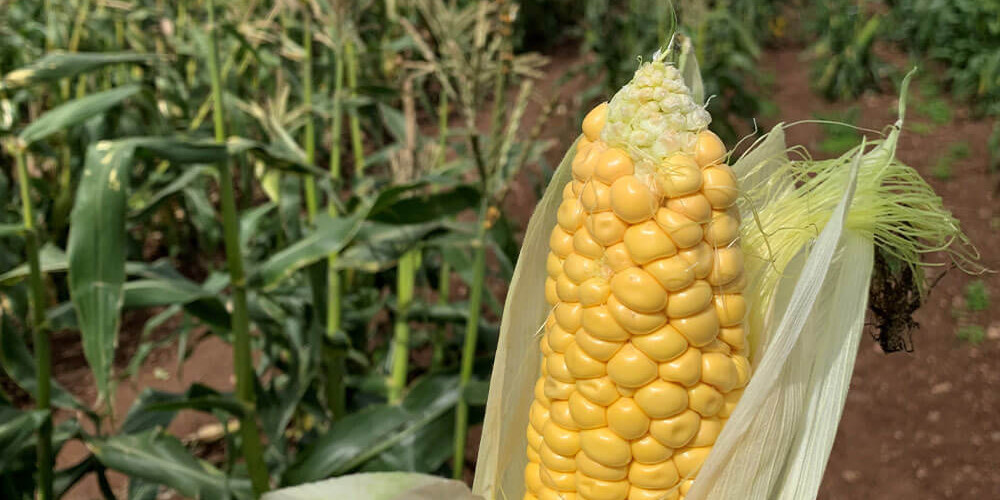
x=162, y=459
x=343, y=448
x=156, y=409
x=75, y=111
x=59, y=65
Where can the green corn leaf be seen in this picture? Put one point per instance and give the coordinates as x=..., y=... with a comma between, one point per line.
x=420, y=451
x=18, y=363
x=343, y=448
x=162, y=459
x=427, y=206
x=378, y=246
x=58, y=65
x=330, y=236
x=11, y=230
x=73, y=112
x=67, y=478
x=17, y=429
x=51, y=259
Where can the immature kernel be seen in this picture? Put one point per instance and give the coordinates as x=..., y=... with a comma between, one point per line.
x=638, y=290
x=673, y=273
x=681, y=229
x=581, y=365
x=650, y=451
x=605, y=447
x=720, y=186
x=596, y=197
x=631, y=200
x=723, y=229
x=594, y=121
x=689, y=461
x=596, y=470
x=561, y=242
x=653, y=476
x=613, y=164
x=584, y=244
x=586, y=413
x=616, y=257
x=606, y=228
x=562, y=441
x=629, y=367
x=684, y=369
x=599, y=322
x=594, y=292
x=699, y=329
x=661, y=399
x=626, y=419
x=555, y=461
x=647, y=242
x=678, y=176
x=709, y=149
x=595, y=489
x=718, y=369
x=570, y=215
x=598, y=349
x=676, y=431
x=705, y=400
x=690, y=300
x=599, y=390
x=664, y=344
x=634, y=321
x=693, y=206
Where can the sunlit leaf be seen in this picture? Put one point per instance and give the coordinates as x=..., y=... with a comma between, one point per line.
x=58, y=65
x=75, y=111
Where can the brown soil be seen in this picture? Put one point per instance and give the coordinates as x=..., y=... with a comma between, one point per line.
x=918, y=425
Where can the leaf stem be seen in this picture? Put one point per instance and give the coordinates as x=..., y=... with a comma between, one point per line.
x=351, y=56
x=405, y=278
x=245, y=387
x=39, y=324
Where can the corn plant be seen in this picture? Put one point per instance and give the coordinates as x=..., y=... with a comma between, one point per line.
x=844, y=64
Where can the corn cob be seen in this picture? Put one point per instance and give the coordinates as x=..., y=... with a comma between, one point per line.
x=644, y=352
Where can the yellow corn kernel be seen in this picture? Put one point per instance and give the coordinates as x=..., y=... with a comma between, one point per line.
x=556, y=364
x=742, y=365
x=597, y=470
x=679, y=176
x=594, y=121
x=606, y=228
x=561, y=242
x=586, y=413
x=578, y=268
x=684, y=369
x=700, y=328
x=731, y=399
x=535, y=440
x=559, y=339
x=660, y=399
x=581, y=365
x=638, y=290
x=584, y=163
x=616, y=257
x=553, y=265
x=693, y=206
x=718, y=370
x=612, y=165
x=630, y=368
x=664, y=344
x=596, y=197
x=731, y=309
x=567, y=192
x=599, y=390
x=551, y=494
x=727, y=265
x=676, y=431
x=551, y=293
x=723, y=229
x=734, y=336
x=635, y=322
x=631, y=200
x=595, y=489
x=562, y=441
x=647, y=450
x=685, y=486
x=556, y=390
x=653, y=476
x=594, y=292
x=555, y=461
x=570, y=215
x=705, y=400
x=533, y=456
x=708, y=150
x=690, y=300
x=636, y=493
x=599, y=349
x=605, y=447
x=538, y=415
x=626, y=419
x=584, y=244
x=699, y=258
x=708, y=432
x=689, y=461
x=682, y=230
x=599, y=323
x=559, y=413
x=533, y=477
x=566, y=290
x=673, y=273
x=719, y=186
x=559, y=481
x=540, y=392
x=647, y=242
x=568, y=316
